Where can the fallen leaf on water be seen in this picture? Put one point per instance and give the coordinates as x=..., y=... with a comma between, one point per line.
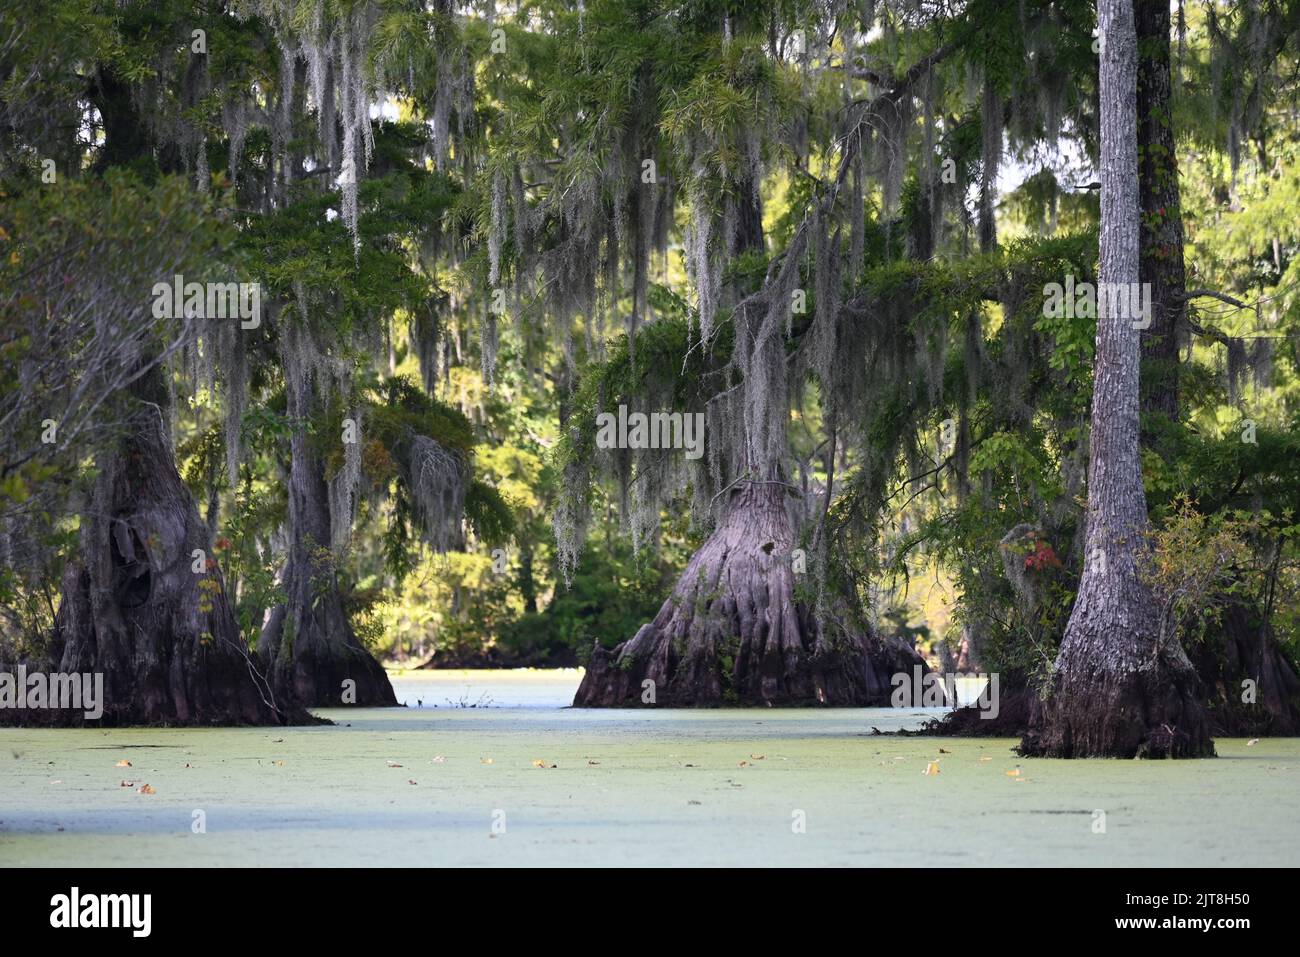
x=758, y=757
x=146, y=789
x=485, y=760
x=412, y=781
x=393, y=764
x=931, y=768
x=438, y=759
x=123, y=763
x=278, y=764
x=57, y=781
x=944, y=751
x=539, y=763
x=1252, y=742
x=127, y=784
x=593, y=762
x=694, y=802
x=985, y=758
x=1014, y=774
x=743, y=763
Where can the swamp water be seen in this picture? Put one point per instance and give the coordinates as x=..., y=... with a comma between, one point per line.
x=494, y=769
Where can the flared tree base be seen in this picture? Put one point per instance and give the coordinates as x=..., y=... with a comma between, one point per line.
x=734, y=632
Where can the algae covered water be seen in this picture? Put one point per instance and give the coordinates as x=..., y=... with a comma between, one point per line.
x=493, y=769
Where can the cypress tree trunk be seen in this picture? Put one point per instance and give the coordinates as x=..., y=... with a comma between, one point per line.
x=1117, y=690
x=1247, y=652
x=734, y=633
x=135, y=610
x=1161, y=262
x=309, y=644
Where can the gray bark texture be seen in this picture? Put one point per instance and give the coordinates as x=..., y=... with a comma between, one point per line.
x=310, y=647
x=1117, y=690
x=134, y=609
x=734, y=633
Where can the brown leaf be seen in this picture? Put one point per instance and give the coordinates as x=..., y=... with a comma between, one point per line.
x=758, y=757
x=127, y=784
x=278, y=764
x=593, y=763
x=539, y=763
x=123, y=763
x=1014, y=773
x=146, y=789
x=931, y=769
x=393, y=764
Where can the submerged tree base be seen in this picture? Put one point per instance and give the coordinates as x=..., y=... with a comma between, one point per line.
x=144, y=616
x=320, y=660
x=734, y=633
x=1150, y=710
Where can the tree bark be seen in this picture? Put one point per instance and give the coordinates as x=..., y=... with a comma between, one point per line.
x=135, y=610
x=1117, y=690
x=733, y=631
x=309, y=644
x=1161, y=262
x=1249, y=650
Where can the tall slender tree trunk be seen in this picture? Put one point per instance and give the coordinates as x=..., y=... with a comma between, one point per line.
x=1117, y=690
x=309, y=644
x=145, y=607
x=1249, y=648
x=1161, y=236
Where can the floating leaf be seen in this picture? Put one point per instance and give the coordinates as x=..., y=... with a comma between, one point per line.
x=438, y=759
x=1252, y=742
x=393, y=764
x=485, y=760
x=539, y=763
x=123, y=763
x=1014, y=773
x=146, y=789
x=931, y=769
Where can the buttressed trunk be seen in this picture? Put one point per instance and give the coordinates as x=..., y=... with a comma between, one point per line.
x=309, y=644
x=734, y=633
x=1118, y=690
x=145, y=607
